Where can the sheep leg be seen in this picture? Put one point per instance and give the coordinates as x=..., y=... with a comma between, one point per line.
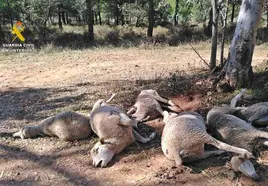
x=203, y=155
x=141, y=139
x=126, y=121
x=237, y=97
x=261, y=134
x=18, y=134
x=174, y=108
x=159, y=109
x=163, y=100
x=145, y=119
x=264, y=142
x=254, y=117
x=178, y=161
x=29, y=132
x=224, y=146
x=159, y=98
x=132, y=110
x=110, y=99
x=262, y=121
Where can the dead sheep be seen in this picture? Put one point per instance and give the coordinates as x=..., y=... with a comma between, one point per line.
x=237, y=132
x=67, y=126
x=256, y=114
x=185, y=135
x=115, y=130
x=149, y=104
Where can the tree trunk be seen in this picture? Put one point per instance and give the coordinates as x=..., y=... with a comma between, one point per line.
x=59, y=16
x=99, y=12
x=67, y=19
x=96, y=17
x=51, y=20
x=151, y=19
x=10, y=14
x=116, y=13
x=108, y=20
x=239, y=70
x=175, y=16
x=215, y=13
x=63, y=17
x=122, y=19
x=137, y=21
x=79, y=19
x=100, y=21
x=2, y=35
x=208, y=31
x=224, y=30
x=233, y=11
x=90, y=21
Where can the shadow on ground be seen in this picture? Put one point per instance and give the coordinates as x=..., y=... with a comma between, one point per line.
x=33, y=104
x=45, y=161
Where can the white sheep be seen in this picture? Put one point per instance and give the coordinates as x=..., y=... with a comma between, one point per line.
x=115, y=130
x=66, y=126
x=237, y=132
x=149, y=104
x=256, y=114
x=184, y=137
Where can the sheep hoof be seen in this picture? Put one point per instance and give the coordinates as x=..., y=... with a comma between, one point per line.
x=18, y=135
x=152, y=136
x=182, y=168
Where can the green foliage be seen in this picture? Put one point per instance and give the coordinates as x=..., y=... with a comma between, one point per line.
x=42, y=16
x=172, y=4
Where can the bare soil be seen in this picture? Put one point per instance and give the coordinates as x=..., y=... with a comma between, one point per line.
x=34, y=86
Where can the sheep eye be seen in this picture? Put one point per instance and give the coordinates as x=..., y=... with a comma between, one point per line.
x=96, y=150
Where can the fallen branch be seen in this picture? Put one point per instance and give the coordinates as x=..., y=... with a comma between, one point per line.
x=222, y=73
x=200, y=56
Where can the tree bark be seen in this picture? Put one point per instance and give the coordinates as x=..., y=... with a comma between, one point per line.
x=175, y=16
x=239, y=70
x=215, y=13
x=151, y=19
x=233, y=11
x=90, y=21
x=224, y=30
x=59, y=16
x=208, y=30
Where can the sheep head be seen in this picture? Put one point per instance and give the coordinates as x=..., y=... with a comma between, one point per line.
x=244, y=165
x=102, y=153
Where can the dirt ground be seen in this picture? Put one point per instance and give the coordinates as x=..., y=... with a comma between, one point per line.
x=36, y=85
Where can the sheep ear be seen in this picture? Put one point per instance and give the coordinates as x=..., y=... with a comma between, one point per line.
x=245, y=156
x=241, y=156
x=102, y=141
